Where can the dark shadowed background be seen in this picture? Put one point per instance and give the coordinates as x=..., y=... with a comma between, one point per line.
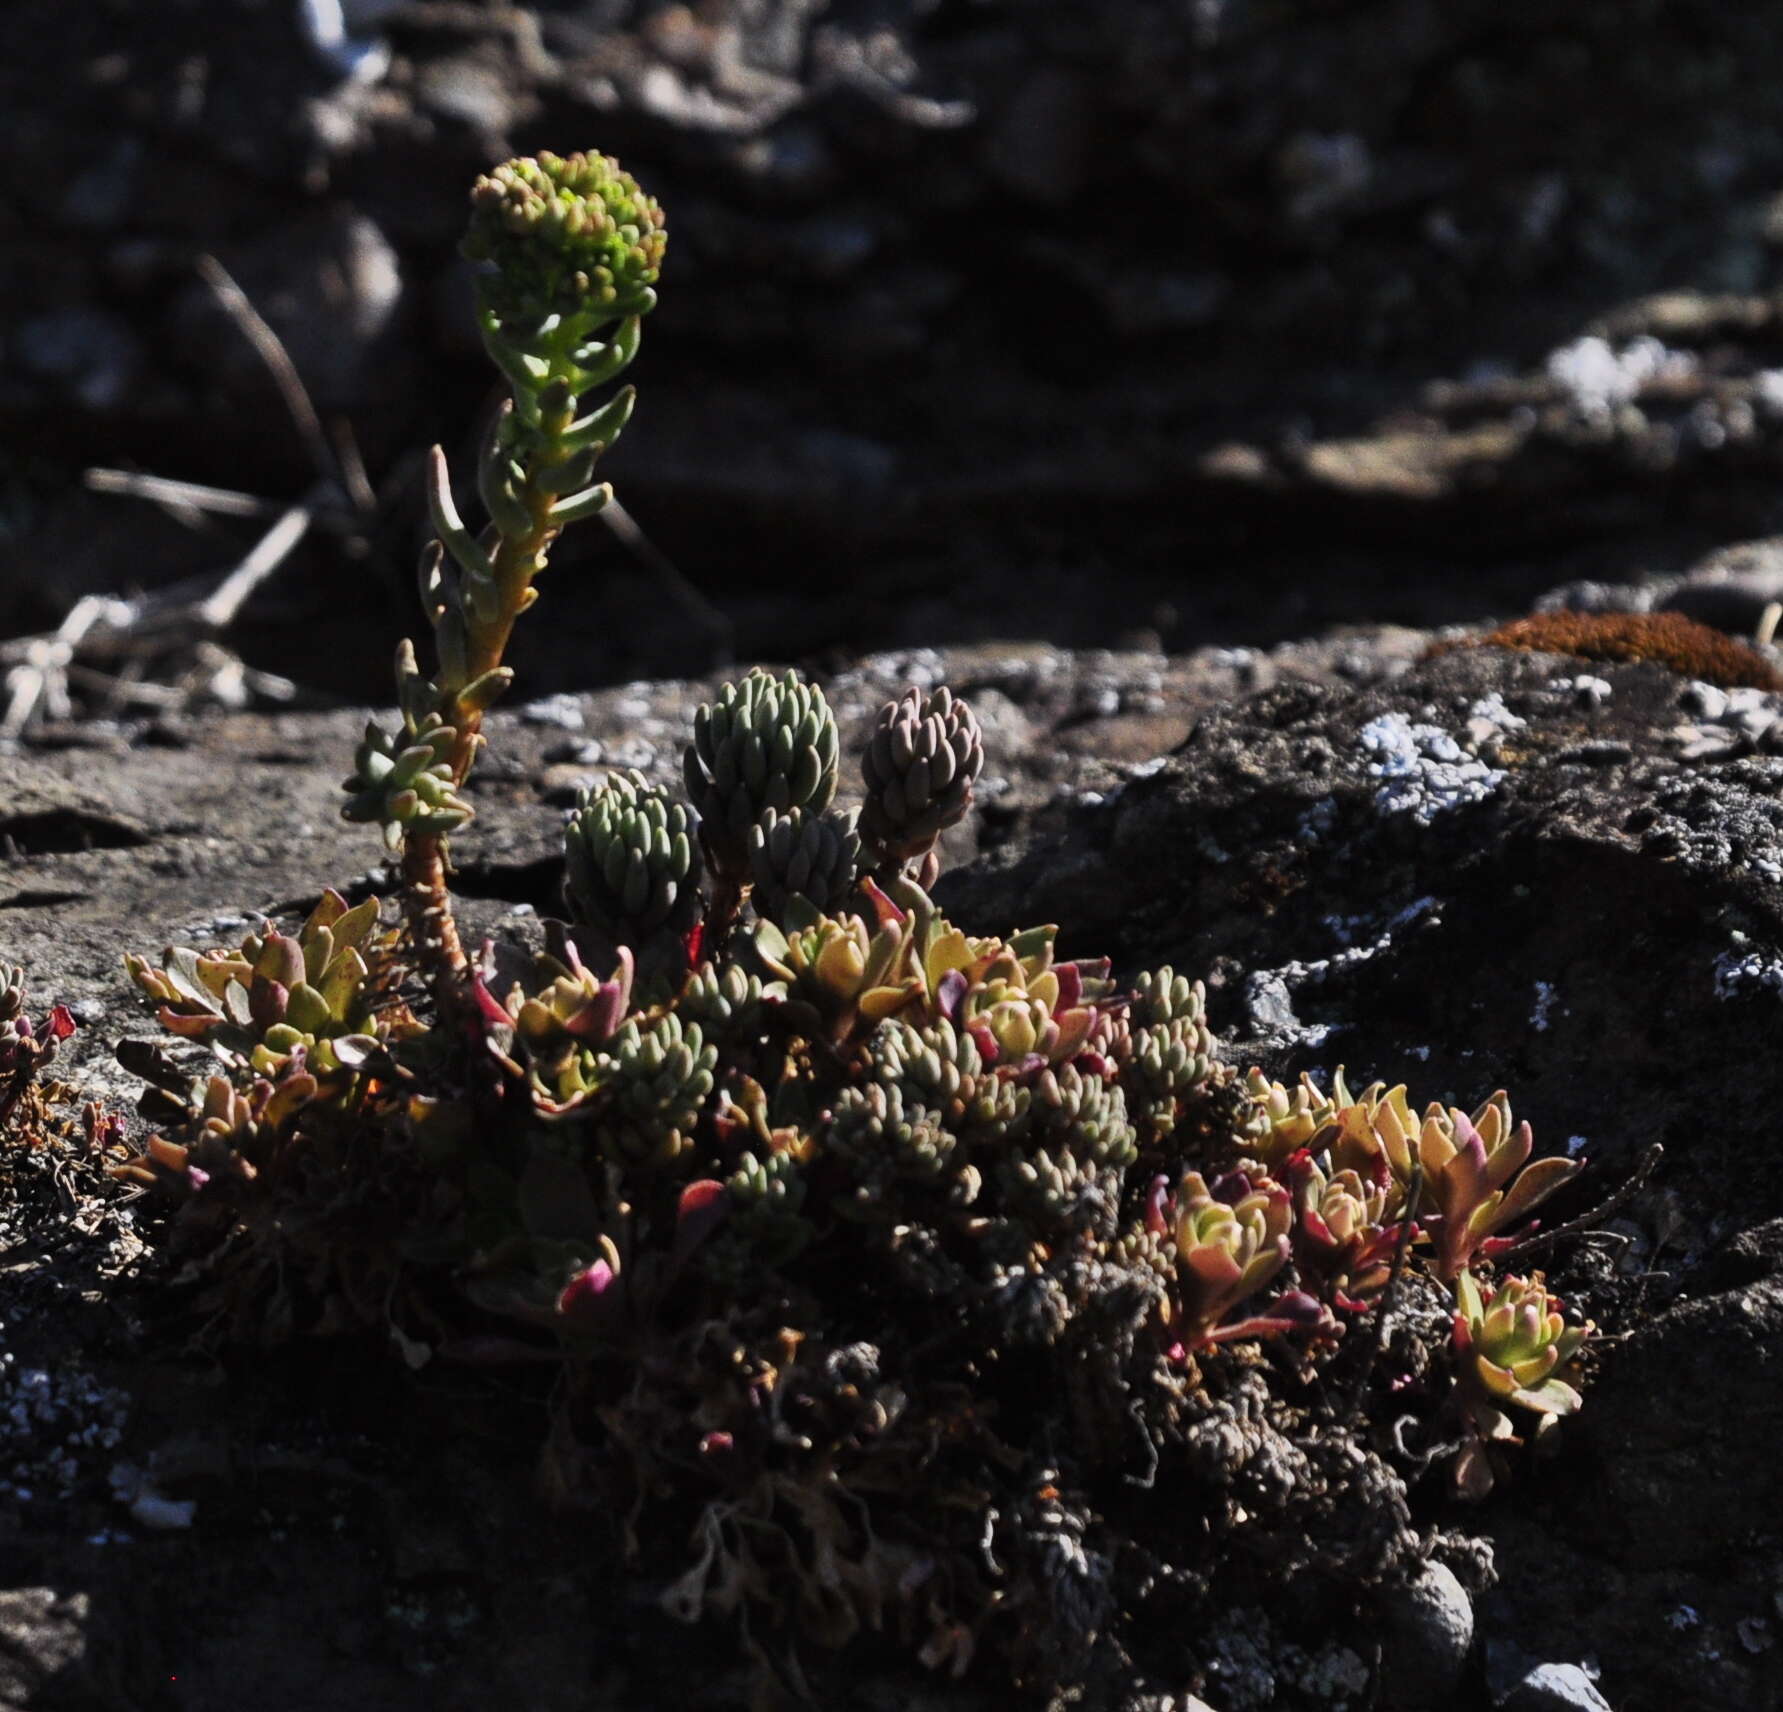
x=1147, y=322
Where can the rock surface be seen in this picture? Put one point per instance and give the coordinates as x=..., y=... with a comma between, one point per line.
x=1476, y=871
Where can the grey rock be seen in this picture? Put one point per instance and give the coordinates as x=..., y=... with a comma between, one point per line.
x=1269, y=1004
x=1731, y=588
x=1554, y=1688
x=1589, y=595
x=331, y=286
x=473, y=92
x=1038, y=146
x=1429, y=1635
x=43, y=1641
x=90, y=354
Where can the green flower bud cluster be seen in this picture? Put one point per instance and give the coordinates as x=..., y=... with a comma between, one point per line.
x=920, y=765
x=565, y=232
x=765, y=744
x=632, y=861
x=572, y=249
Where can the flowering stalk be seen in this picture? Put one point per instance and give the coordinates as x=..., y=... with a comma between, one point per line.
x=572, y=249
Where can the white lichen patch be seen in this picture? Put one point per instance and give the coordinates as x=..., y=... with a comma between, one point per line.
x=1585, y=690
x=1726, y=723
x=1424, y=771
x=1597, y=378
x=1268, y=993
x=1489, y=717
x=1741, y=972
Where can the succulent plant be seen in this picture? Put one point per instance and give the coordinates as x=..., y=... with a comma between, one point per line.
x=1230, y=1242
x=276, y=995
x=767, y=1201
x=796, y=854
x=1477, y=1181
x=766, y=743
x=1515, y=1349
x=229, y=1135
x=406, y=783
x=1342, y=1240
x=726, y=1000
x=881, y=1134
x=632, y=861
x=839, y=1214
x=25, y=1047
x=571, y=250
x=851, y=972
x=1278, y=1121
x=1474, y=1173
x=1019, y=1008
x=652, y=1079
x=1168, y=1050
x=921, y=762
x=570, y=1008
x=934, y=1065
x=565, y=232
x=1048, y=1190
x=1088, y=1113
x=12, y=995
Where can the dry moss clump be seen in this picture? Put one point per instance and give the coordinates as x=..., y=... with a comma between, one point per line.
x=1665, y=638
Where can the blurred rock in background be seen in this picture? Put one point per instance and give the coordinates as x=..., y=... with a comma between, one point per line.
x=1153, y=321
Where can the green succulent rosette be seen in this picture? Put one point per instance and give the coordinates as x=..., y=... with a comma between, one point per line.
x=813, y=856
x=632, y=861
x=766, y=743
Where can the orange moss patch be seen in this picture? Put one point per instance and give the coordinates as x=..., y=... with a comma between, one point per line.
x=1665, y=638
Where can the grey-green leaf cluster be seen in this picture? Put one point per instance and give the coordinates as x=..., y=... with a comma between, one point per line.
x=656, y=1076
x=632, y=861
x=1172, y=1048
x=726, y=1000
x=766, y=743
x=920, y=765
x=798, y=853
